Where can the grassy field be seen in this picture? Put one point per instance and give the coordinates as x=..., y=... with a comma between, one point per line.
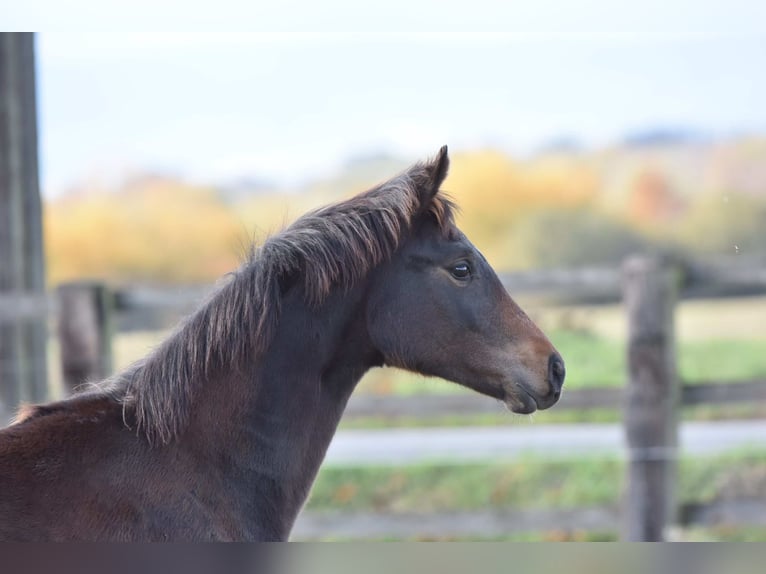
x=535, y=483
x=528, y=483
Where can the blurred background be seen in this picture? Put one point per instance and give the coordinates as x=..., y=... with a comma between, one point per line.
x=574, y=144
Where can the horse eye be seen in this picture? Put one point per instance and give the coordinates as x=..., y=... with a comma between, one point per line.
x=461, y=271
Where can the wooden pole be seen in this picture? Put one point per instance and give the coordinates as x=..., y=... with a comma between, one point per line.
x=85, y=332
x=23, y=373
x=652, y=396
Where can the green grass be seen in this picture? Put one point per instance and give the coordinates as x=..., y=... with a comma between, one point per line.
x=467, y=487
x=528, y=483
x=717, y=359
x=591, y=360
x=536, y=483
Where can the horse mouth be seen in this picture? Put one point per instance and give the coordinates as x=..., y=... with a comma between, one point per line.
x=520, y=401
x=515, y=396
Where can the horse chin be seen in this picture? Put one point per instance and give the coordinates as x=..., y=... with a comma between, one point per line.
x=520, y=402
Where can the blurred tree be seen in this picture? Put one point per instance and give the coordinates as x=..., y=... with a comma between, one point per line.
x=570, y=237
x=554, y=210
x=154, y=233
x=726, y=223
x=651, y=199
x=495, y=193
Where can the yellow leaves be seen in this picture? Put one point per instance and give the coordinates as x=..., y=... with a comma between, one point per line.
x=725, y=223
x=157, y=233
x=482, y=181
x=561, y=183
x=161, y=232
x=495, y=193
x=552, y=210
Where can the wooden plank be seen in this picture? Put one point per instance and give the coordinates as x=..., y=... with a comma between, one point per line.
x=352, y=525
x=717, y=277
x=397, y=406
x=11, y=221
x=35, y=330
x=312, y=525
x=20, y=306
x=23, y=342
x=181, y=298
x=651, y=401
x=724, y=275
x=718, y=392
x=85, y=332
x=591, y=282
x=726, y=512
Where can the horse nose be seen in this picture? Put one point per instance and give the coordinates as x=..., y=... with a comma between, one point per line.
x=556, y=374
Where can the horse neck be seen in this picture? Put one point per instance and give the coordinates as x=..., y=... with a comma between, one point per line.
x=287, y=405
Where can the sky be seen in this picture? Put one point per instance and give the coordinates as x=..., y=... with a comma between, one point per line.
x=285, y=102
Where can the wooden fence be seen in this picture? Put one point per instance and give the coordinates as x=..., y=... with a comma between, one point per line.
x=651, y=399
x=500, y=523
x=23, y=374
x=395, y=407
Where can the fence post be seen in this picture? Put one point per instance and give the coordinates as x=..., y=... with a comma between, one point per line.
x=85, y=332
x=23, y=372
x=652, y=398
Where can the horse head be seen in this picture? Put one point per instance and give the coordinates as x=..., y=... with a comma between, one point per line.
x=438, y=308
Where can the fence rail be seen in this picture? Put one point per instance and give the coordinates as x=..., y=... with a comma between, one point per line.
x=397, y=406
x=723, y=276
x=23, y=305
x=487, y=524
x=22, y=269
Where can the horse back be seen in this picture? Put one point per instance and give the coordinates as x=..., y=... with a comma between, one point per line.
x=73, y=470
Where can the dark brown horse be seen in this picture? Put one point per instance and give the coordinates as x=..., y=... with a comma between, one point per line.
x=219, y=433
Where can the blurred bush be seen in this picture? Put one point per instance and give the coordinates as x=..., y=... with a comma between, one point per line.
x=725, y=223
x=163, y=233
x=571, y=237
x=496, y=194
x=557, y=209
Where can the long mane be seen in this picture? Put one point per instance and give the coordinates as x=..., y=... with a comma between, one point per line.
x=327, y=249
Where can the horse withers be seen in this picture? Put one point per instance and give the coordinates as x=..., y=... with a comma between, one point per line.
x=219, y=433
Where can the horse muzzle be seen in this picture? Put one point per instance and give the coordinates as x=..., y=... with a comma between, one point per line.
x=524, y=398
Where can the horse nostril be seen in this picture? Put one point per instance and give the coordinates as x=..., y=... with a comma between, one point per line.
x=556, y=373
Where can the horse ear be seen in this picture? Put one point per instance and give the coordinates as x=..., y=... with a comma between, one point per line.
x=437, y=172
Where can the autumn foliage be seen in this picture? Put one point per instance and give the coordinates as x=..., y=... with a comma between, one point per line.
x=159, y=233
x=557, y=209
